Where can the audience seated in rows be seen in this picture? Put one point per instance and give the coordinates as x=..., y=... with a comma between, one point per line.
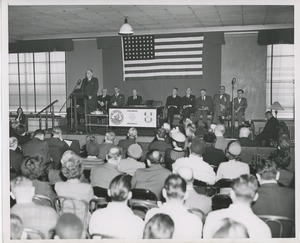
x=232, y=168
x=244, y=138
x=273, y=199
x=243, y=193
x=231, y=229
x=187, y=225
x=117, y=219
x=16, y=228
x=42, y=218
x=153, y=177
x=194, y=199
x=68, y=226
x=160, y=226
x=202, y=170
x=21, y=134
x=132, y=163
x=107, y=144
x=83, y=150
x=15, y=156
x=221, y=142
x=212, y=155
x=160, y=143
x=130, y=139
x=92, y=149
x=102, y=174
x=190, y=130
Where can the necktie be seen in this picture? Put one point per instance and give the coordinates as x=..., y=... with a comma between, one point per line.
x=221, y=96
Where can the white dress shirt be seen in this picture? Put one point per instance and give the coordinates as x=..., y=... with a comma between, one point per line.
x=232, y=169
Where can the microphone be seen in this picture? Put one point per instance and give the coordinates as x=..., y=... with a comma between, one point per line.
x=233, y=81
x=79, y=81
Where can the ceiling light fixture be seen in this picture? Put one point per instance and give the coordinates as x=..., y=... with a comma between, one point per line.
x=126, y=29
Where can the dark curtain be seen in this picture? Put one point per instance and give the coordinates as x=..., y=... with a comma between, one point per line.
x=271, y=37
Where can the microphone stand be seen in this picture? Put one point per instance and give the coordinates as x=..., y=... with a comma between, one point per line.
x=232, y=108
x=77, y=83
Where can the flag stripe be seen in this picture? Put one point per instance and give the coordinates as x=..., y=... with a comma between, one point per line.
x=143, y=68
x=160, y=74
x=183, y=46
x=198, y=38
x=163, y=70
x=178, y=53
x=160, y=63
x=177, y=43
x=178, y=49
x=166, y=60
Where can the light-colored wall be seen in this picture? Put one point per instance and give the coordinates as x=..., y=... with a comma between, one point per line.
x=245, y=60
x=84, y=56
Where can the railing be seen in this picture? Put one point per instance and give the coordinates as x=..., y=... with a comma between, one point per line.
x=46, y=109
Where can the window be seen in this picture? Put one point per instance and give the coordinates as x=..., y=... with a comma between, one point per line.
x=280, y=82
x=36, y=80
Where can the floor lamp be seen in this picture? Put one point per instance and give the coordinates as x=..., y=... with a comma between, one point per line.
x=277, y=107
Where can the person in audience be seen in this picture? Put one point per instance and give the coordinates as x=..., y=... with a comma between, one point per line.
x=160, y=143
x=42, y=218
x=152, y=177
x=190, y=130
x=130, y=139
x=12, y=128
x=135, y=99
x=173, y=105
x=282, y=159
x=21, y=118
x=239, y=106
x=15, y=157
x=231, y=229
x=72, y=169
x=204, y=107
x=167, y=127
x=273, y=199
x=188, y=103
x=160, y=226
x=270, y=130
x=221, y=142
x=92, y=149
x=233, y=168
x=103, y=101
x=194, y=199
x=244, y=139
x=178, y=150
x=59, y=146
x=117, y=99
x=88, y=139
x=32, y=169
x=68, y=226
x=131, y=163
x=89, y=87
x=108, y=143
x=21, y=135
x=16, y=228
x=243, y=193
x=212, y=155
x=187, y=225
x=202, y=171
x=38, y=146
x=117, y=219
x=221, y=105
x=102, y=174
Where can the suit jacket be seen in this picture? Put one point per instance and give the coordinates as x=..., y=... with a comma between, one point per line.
x=120, y=99
x=104, y=100
x=225, y=100
x=16, y=159
x=275, y=200
x=104, y=148
x=272, y=127
x=90, y=88
x=37, y=147
x=243, y=104
x=208, y=102
x=189, y=101
x=137, y=101
x=174, y=101
x=159, y=145
x=213, y=156
x=57, y=148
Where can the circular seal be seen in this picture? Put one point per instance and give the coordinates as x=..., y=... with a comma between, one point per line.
x=116, y=117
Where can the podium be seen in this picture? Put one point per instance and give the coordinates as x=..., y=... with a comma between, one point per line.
x=74, y=98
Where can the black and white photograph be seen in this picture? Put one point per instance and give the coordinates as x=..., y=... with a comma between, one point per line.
x=134, y=120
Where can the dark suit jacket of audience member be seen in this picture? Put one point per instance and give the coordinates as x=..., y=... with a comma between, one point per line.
x=104, y=148
x=214, y=156
x=247, y=142
x=137, y=101
x=23, y=139
x=159, y=145
x=167, y=139
x=16, y=159
x=174, y=101
x=208, y=102
x=22, y=119
x=275, y=200
x=188, y=101
x=57, y=148
x=243, y=104
x=120, y=99
x=271, y=128
x=36, y=147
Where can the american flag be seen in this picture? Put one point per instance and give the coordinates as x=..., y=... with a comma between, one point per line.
x=157, y=56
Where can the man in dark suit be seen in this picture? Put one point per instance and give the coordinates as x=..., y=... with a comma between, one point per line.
x=270, y=131
x=239, y=106
x=204, y=107
x=103, y=101
x=221, y=105
x=188, y=103
x=135, y=99
x=15, y=156
x=117, y=99
x=130, y=139
x=272, y=198
x=173, y=105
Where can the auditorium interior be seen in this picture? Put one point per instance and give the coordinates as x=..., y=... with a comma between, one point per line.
x=51, y=47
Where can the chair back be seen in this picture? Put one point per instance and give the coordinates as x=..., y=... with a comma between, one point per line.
x=223, y=183
x=220, y=201
x=197, y=212
x=141, y=207
x=101, y=192
x=97, y=203
x=33, y=233
x=281, y=227
x=143, y=194
x=157, y=103
x=43, y=200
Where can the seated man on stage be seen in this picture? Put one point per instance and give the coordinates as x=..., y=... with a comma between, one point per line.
x=204, y=107
x=117, y=99
x=221, y=105
x=188, y=103
x=103, y=101
x=239, y=106
x=173, y=105
x=135, y=99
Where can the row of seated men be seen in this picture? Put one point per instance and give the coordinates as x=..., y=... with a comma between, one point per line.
x=171, y=180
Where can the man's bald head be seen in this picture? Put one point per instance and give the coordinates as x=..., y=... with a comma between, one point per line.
x=187, y=174
x=69, y=226
x=244, y=132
